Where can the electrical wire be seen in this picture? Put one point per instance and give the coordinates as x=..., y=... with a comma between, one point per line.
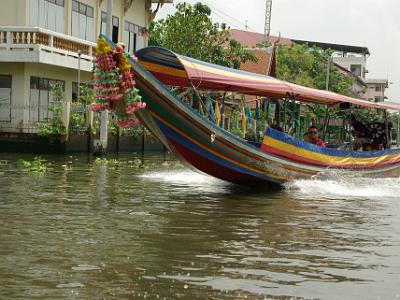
x=228, y=16
x=229, y=20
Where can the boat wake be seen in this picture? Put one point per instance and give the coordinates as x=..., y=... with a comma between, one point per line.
x=190, y=181
x=179, y=176
x=343, y=185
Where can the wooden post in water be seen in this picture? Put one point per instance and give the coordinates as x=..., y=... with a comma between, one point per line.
x=104, y=113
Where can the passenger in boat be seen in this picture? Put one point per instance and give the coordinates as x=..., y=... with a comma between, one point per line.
x=306, y=138
x=361, y=133
x=276, y=126
x=312, y=137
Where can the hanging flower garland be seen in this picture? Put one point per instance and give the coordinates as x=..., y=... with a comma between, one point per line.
x=114, y=84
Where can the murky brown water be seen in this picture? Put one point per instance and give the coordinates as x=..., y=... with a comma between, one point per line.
x=87, y=231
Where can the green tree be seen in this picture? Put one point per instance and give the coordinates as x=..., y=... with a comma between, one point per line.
x=307, y=66
x=191, y=32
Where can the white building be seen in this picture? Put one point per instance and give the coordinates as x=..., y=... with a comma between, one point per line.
x=375, y=88
x=40, y=42
x=354, y=63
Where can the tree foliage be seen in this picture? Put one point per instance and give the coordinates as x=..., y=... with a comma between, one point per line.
x=191, y=32
x=308, y=66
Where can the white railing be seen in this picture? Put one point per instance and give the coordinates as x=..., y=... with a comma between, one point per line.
x=36, y=38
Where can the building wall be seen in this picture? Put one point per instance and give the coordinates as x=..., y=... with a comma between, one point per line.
x=347, y=61
x=18, y=91
x=374, y=95
x=53, y=72
x=13, y=12
x=20, y=88
x=17, y=13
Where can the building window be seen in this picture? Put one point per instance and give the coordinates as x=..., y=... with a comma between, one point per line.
x=356, y=70
x=103, y=23
x=41, y=96
x=378, y=99
x=5, y=98
x=114, y=29
x=378, y=88
x=131, y=32
x=82, y=21
x=133, y=36
x=47, y=14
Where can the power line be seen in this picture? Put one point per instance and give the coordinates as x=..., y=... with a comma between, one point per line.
x=243, y=24
x=227, y=21
x=231, y=21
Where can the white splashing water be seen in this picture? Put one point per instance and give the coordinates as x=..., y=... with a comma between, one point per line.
x=342, y=185
x=181, y=177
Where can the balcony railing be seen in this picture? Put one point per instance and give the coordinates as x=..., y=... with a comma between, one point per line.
x=35, y=38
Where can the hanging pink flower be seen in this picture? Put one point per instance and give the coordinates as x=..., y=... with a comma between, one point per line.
x=127, y=123
x=97, y=107
x=114, y=85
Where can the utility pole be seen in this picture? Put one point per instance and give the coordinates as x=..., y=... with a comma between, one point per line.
x=268, y=10
x=79, y=74
x=328, y=73
x=327, y=88
x=104, y=113
x=398, y=129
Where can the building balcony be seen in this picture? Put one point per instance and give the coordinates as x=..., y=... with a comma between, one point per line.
x=38, y=45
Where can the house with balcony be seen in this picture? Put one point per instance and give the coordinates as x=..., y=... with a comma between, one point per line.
x=43, y=42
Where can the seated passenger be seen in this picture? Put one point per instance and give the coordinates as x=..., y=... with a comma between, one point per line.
x=360, y=133
x=312, y=137
x=276, y=126
x=306, y=138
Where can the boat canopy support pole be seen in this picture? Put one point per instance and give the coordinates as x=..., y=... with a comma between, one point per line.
x=223, y=111
x=388, y=139
x=327, y=118
x=201, y=105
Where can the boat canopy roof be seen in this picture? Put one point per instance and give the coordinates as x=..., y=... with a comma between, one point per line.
x=177, y=70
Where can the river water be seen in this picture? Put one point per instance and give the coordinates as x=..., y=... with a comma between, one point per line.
x=86, y=230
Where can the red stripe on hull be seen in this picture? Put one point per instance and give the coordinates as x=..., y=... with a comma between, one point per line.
x=209, y=167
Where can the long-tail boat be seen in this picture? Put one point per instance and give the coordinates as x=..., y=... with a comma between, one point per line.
x=207, y=147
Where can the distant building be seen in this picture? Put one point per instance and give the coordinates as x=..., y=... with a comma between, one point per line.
x=359, y=85
x=376, y=90
x=349, y=60
x=354, y=63
x=251, y=39
x=263, y=65
x=354, y=60
x=42, y=42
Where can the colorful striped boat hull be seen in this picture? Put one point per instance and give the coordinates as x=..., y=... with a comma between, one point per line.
x=208, y=148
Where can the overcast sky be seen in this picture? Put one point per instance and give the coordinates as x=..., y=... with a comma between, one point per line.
x=369, y=23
